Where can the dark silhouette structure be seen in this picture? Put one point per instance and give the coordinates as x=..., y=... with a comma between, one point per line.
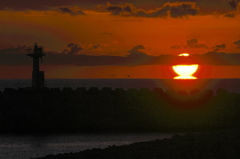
x=51, y=110
x=37, y=76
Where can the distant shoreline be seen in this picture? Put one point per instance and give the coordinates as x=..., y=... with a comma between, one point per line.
x=230, y=85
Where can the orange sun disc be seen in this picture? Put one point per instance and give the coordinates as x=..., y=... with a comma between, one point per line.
x=184, y=54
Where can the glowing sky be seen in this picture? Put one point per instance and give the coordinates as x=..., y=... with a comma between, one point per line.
x=129, y=28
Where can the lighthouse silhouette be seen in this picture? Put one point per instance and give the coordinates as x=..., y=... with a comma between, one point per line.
x=36, y=52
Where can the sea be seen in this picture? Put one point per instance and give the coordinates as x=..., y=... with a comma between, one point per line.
x=28, y=146
x=32, y=146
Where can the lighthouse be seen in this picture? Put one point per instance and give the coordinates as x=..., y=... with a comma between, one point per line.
x=36, y=52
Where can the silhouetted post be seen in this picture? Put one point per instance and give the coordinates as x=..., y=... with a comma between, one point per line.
x=37, y=75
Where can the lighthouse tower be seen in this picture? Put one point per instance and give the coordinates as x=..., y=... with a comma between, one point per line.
x=37, y=76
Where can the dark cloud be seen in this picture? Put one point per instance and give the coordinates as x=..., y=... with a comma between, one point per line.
x=93, y=49
x=210, y=58
x=138, y=50
x=71, y=11
x=207, y=6
x=175, y=10
x=181, y=9
x=219, y=47
x=115, y=10
x=230, y=15
x=30, y=4
x=15, y=50
x=17, y=56
x=222, y=46
x=193, y=43
x=96, y=46
x=125, y=9
x=237, y=43
x=233, y=4
x=72, y=49
x=220, y=58
x=33, y=4
x=46, y=4
x=14, y=56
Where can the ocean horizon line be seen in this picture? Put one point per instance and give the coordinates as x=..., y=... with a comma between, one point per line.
x=122, y=79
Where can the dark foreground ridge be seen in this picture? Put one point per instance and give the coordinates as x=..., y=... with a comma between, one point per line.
x=47, y=110
x=217, y=145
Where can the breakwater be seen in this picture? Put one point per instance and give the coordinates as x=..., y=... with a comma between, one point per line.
x=28, y=110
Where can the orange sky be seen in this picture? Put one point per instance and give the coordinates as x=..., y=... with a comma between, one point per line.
x=99, y=32
x=54, y=31
x=150, y=71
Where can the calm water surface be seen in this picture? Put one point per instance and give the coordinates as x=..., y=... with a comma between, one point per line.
x=26, y=147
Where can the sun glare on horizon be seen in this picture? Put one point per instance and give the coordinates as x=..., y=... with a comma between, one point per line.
x=184, y=54
x=185, y=71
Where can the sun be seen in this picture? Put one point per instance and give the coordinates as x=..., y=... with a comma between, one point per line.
x=185, y=71
x=184, y=54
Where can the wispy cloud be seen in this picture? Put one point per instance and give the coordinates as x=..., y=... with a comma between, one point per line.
x=72, y=49
x=17, y=56
x=174, y=10
x=71, y=10
x=237, y=43
x=219, y=47
x=191, y=44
